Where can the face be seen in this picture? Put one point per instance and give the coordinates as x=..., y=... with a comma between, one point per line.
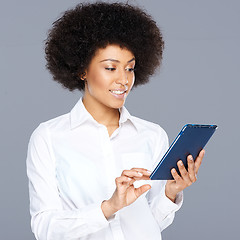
x=110, y=76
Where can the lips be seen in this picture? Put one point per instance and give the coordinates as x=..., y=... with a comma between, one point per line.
x=118, y=91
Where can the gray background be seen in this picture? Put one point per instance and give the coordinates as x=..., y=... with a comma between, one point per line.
x=197, y=83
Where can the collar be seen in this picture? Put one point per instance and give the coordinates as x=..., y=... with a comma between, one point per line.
x=79, y=115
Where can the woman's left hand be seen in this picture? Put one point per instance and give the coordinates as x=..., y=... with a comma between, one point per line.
x=186, y=178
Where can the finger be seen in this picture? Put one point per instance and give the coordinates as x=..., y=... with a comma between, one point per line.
x=184, y=173
x=139, y=191
x=144, y=171
x=191, y=168
x=131, y=173
x=176, y=176
x=122, y=179
x=134, y=174
x=198, y=160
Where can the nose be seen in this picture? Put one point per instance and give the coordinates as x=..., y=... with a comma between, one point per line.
x=122, y=77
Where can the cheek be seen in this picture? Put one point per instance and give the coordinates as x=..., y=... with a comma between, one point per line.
x=98, y=81
x=132, y=81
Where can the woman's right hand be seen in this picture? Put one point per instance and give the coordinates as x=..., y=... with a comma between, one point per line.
x=125, y=192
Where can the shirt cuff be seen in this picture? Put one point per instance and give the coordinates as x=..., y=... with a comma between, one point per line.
x=166, y=205
x=95, y=218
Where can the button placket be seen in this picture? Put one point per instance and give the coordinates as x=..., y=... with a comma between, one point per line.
x=109, y=160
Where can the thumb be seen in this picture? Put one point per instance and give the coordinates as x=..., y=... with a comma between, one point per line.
x=139, y=191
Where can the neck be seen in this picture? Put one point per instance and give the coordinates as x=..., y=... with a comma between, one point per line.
x=100, y=112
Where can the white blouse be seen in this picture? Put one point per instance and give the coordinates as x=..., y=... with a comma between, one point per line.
x=72, y=164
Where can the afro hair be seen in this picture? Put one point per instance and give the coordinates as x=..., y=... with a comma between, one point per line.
x=76, y=36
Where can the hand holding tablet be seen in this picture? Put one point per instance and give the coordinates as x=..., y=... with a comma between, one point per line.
x=190, y=141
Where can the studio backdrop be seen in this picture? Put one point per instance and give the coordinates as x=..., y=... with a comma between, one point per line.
x=198, y=82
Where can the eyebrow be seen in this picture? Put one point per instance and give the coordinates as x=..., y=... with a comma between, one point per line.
x=114, y=60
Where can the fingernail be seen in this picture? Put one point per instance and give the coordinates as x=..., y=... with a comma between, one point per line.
x=173, y=170
x=191, y=158
x=149, y=172
x=129, y=179
x=140, y=174
x=181, y=163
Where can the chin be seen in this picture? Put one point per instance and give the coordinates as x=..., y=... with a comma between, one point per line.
x=116, y=105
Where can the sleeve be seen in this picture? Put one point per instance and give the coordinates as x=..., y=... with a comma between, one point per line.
x=163, y=209
x=49, y=221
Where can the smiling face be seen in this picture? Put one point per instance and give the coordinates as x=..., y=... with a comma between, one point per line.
x=109, y=77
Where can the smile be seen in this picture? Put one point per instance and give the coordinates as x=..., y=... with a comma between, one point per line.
x=118, y=93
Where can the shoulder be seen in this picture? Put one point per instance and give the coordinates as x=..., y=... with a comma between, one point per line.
x=57, y=124
x=153, y=128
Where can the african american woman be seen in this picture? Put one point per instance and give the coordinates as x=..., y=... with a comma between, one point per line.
x=89, y=169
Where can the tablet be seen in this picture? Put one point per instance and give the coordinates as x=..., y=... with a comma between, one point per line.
x=191, y=140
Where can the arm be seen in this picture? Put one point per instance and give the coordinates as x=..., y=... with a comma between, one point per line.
x=48, y=218
x=171, y=196
x=163, y=209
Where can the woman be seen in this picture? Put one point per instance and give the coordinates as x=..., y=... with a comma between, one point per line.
x=89, y=169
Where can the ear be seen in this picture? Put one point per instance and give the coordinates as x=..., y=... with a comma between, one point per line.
x=82, y=76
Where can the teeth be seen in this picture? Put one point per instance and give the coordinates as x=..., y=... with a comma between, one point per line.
x=118, y=92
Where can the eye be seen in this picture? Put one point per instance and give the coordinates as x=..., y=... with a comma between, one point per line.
x=131, y=69
x=110, y=69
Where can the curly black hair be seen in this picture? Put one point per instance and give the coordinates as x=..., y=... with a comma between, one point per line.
x=80, y=32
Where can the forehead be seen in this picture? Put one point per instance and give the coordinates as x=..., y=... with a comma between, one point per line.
x=113, y=52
